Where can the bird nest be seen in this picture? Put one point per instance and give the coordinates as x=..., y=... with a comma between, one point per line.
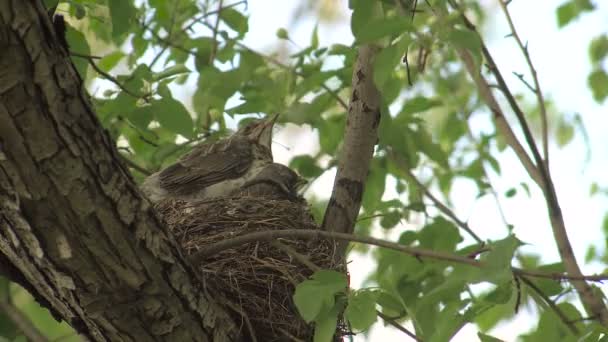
x=256, y=280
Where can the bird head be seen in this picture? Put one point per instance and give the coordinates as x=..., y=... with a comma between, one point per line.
x=260, y=131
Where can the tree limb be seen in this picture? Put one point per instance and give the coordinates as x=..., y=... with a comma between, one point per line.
x=312, y=234
x=360, y=137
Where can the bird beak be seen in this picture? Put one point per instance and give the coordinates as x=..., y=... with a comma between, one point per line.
x=263, y=133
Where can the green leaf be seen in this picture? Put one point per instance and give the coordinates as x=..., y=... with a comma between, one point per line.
x=466, y=39
x=109, y=61
x=565, y=132
x=235, y=20
x=598, y=49
x=79, y=10
x=441, y=235
x=448, y=322
x=141, y=117
x=78, y=43
x=498, y=260
x=390, y=303
x=314, y=39
x=50, y=3
x=384, y=64
x=374, y=185
x=427, y=146
x=511, y=192
x=550, y=287
x=326, y=324
x=123, y=14
x=282, y=34
x=363, y=12
x=381, y=27
x=361, y=309
x=172, y=115
x=419, y=104
x=306, y=166
x=501, y=294
x=598, y=81
x=317, y=295
x=390, y=219
x=171, y=71
x=331, y=132
x=570, y=10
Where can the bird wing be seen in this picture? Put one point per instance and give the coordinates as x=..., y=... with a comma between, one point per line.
x=208, y=164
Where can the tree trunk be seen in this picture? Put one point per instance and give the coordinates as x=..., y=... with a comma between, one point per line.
x=74, y=228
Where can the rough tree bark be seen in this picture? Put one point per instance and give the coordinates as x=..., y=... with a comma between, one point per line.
x=73, y=225
x=361, y=135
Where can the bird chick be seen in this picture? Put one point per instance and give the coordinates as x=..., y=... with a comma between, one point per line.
x=215, y=169
x=274, y=181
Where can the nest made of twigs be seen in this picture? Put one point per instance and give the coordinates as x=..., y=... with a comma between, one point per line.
x=257, y=279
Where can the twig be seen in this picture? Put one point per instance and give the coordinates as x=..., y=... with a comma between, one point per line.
x=245, y=318
x=440, y=206
x=301, y=258
x=112, y=79
x=198, y=19
x=215, y=28
x=518, y=298
x=493, y=191
x=22, y=322
x=398, y=326
x=80, y=55
x=537, y=90
x=312, y=234
x=551, y=304
x=135, y=166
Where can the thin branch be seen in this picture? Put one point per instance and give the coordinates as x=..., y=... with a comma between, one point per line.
x=112, y=79
x=80, y=55
x=493, y=191
x=198, y=19
x=215, y=29
x=518, y=298
x=440, y=206
x=398, y=326
x=135, y=166
x=313, y=234
x=301, y=258
x=520, y=76
x=551, y=304
x=26, y=327
x=536, y=89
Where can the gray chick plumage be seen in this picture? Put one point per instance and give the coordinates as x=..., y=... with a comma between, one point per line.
x=215, y=169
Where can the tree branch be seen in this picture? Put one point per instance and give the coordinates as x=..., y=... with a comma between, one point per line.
x=360, y=137
x=552, y=305
x=312, y=234
x=440, y=206
x=536, y=89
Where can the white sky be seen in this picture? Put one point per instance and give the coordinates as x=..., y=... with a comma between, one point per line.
x=561, y=60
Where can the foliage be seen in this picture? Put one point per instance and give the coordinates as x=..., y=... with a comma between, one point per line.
x=177, y=72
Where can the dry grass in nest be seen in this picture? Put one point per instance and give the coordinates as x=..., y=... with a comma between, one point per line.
x=257, y=279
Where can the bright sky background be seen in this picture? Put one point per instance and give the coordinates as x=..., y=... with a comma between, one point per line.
x=561, y=60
